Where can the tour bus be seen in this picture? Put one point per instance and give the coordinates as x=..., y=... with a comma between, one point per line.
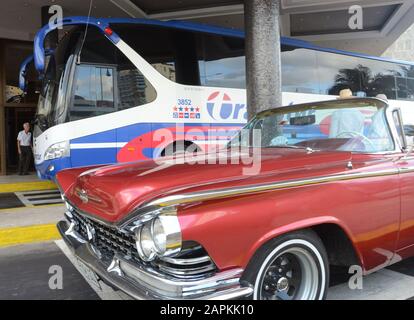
x=110, y=86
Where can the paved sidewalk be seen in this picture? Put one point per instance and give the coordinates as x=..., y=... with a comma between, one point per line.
x=16, y=183
x=29, y=225
x=14, y=178
x=384, y=284
x=19, y=217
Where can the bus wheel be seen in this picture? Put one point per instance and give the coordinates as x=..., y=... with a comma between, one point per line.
x=291, y=267
x=180, y=148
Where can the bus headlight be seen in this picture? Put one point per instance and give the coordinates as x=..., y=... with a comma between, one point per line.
x=58, y=150
x=160, y=237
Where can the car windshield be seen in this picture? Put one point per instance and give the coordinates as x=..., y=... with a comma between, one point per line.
x=357, y=125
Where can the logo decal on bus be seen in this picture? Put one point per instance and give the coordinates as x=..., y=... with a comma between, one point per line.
x=184, y=109
x=221, y=107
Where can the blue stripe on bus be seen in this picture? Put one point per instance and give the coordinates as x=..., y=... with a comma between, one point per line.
x=127, y=133
x=85, y=157
x=104, y=136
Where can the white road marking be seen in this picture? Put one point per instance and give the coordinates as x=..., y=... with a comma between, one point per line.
x=102, y=290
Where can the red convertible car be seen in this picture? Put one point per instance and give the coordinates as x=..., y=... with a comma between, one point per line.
x=335, y=188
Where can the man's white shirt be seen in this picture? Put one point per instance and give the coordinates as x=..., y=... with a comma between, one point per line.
x=25, y=138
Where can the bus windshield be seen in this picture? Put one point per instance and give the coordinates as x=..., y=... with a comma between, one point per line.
x=51, y=105
x=101, y=81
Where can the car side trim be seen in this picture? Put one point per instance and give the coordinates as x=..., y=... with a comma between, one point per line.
x=230, y=192
x=177, y=199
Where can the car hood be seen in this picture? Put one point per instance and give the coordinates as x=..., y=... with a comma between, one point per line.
x=114, y=191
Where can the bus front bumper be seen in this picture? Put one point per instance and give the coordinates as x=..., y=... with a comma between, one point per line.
x=47, y=169
x=145, y=283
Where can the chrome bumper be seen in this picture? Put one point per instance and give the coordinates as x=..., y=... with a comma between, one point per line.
x=146, y=283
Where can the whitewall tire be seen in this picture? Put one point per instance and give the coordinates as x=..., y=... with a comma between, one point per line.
x=291, y=267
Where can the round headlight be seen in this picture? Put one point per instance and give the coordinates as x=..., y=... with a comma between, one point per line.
x=166, y=233
x=145, y=244
x=159, y=236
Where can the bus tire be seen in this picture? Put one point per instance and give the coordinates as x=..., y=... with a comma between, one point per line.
x=178, y=148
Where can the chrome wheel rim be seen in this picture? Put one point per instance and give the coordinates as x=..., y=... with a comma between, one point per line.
x=292, y=275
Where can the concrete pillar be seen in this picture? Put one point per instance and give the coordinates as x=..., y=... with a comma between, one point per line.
x=263, y=65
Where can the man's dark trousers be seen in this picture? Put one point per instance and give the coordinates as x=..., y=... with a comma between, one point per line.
x=24, y=159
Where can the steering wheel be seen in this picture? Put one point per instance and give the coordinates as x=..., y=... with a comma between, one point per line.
x=354, y=134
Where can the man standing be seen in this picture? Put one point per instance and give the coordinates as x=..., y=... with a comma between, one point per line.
x=24, y=147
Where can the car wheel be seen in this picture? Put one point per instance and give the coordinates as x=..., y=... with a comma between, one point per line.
x=291, y=267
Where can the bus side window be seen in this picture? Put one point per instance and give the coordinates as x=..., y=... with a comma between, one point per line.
x=93, y=91
x=223, y=62
x=299, y=70
x=187, y=57
x=94, y=87
x=106, y=80
x=134, y=90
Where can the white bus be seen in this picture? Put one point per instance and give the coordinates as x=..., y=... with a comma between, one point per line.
x=111, y=84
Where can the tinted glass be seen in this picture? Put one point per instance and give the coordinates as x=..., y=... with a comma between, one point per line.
x=210, y=60
x=94, y=87
x=106, y=80
x=299, y=71
x=172, y=50
x=52, y=104
x=189, y=57
x=364, y=77
x=223, y=63
x=134, y=89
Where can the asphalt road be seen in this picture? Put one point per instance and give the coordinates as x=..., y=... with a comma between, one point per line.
x=25, y=272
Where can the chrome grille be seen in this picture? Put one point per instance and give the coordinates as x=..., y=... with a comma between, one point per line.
x=192, y=262
x=108, y=241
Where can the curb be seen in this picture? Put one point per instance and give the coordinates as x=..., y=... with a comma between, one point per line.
x=28, y=234
x=27, y=186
